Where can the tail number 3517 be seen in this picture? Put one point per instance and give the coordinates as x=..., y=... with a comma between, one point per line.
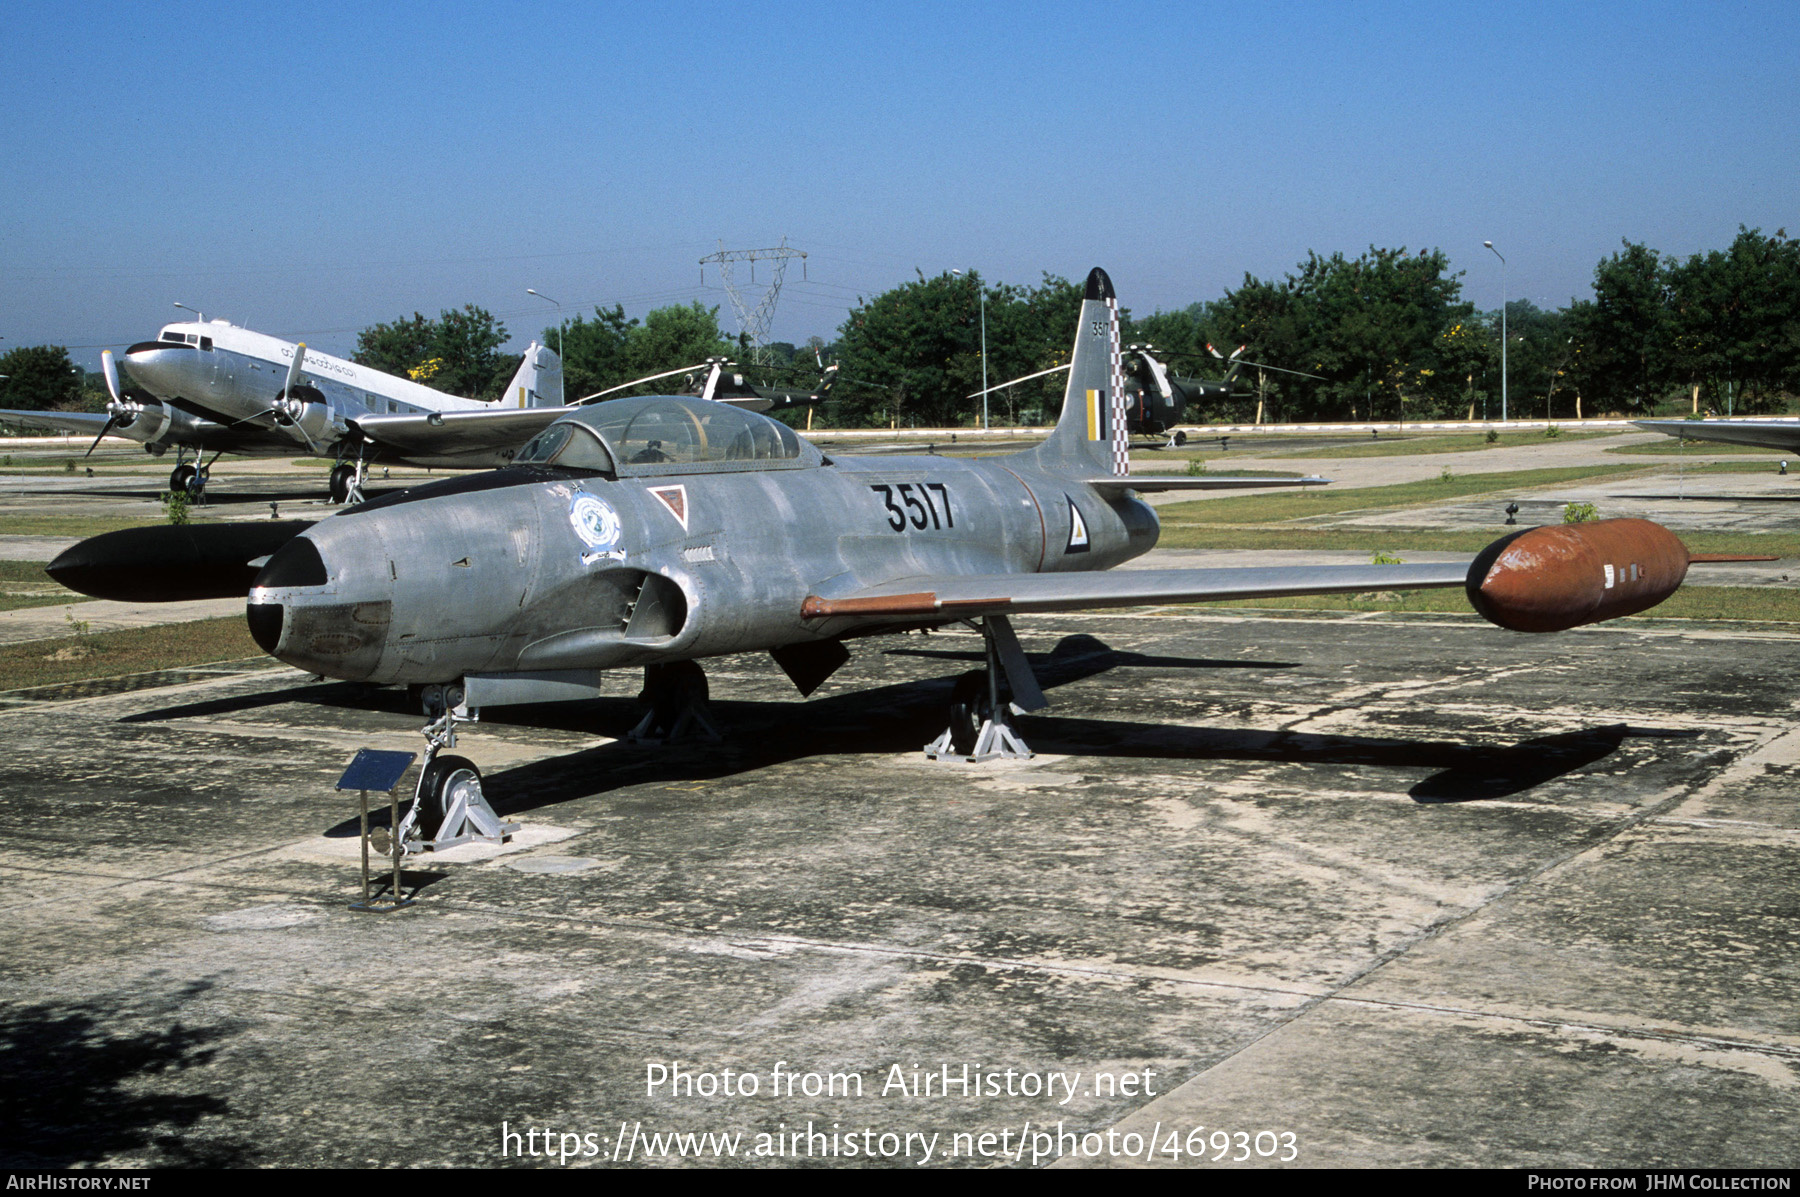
x=913, y=503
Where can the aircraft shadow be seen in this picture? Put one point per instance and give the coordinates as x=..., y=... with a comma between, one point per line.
x=221, y=498
x=903, y=717
x=1467, y=772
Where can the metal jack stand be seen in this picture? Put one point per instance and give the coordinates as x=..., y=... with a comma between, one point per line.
x=374, y=769
x=996, y=737
x=677, y=695
x=451, y=785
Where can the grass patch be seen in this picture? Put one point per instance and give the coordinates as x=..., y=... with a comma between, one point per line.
x=71, y=525
x=1756, y=604
x=27, y=571
x=133, y=650
x=1312, y=502
x=1732, y=467
x=51, y=596
x=1433, y=540
x=1410, y=446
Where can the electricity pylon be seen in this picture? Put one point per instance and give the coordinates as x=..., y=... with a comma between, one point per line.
x=754, y=325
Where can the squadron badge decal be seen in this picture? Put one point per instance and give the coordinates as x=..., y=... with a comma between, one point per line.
x=675, y=499
x=598, y=525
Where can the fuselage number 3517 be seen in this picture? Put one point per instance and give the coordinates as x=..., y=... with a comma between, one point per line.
x=912, y=503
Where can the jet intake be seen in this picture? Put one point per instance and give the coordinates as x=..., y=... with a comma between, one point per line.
x=1563, y=576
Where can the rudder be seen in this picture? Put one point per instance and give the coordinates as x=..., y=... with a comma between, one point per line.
x=539, y=381
x=1091, y=435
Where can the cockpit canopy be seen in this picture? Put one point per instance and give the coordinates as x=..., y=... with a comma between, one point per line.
x=667, y=434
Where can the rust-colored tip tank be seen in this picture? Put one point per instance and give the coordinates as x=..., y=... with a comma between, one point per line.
x=1562, y=576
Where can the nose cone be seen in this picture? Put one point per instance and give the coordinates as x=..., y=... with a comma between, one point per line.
x=320, y=615
x=163, y=369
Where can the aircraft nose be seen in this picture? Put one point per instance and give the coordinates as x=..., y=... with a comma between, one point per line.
x=160, y=368
x=319, y=615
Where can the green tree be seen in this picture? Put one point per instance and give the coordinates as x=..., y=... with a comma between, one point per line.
x=458, y=353
x=40, y=378
x=1626, y=333
x=921, y=341
x=672, y=337
x=1734, y=322
x=594, y=351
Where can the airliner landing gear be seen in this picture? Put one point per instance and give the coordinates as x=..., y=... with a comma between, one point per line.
x=676, y=693
x=343, y=476
x=189, y=480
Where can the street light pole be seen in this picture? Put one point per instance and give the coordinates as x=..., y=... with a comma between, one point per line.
x=981, y=292
x=559, y=318
x=1502, y=258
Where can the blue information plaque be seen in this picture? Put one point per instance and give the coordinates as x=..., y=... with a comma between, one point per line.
x=376, y=769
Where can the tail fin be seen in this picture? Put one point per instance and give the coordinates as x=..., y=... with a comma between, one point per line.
x=539, y=382
x=1091, y=435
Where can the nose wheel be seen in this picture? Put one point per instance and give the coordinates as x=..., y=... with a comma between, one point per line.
x=449, y=800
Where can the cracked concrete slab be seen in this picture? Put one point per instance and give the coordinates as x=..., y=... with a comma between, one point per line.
x=1417, y=890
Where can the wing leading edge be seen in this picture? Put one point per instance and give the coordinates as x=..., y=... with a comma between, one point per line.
x=966, y=596
x=1783, y=435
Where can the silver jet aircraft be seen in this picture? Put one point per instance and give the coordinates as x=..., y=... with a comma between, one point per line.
x=657, y=532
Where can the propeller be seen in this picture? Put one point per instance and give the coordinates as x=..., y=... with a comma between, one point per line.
x=117, y=413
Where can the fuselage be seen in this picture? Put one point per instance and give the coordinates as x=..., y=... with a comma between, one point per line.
x=232, y=375
x=545, y=567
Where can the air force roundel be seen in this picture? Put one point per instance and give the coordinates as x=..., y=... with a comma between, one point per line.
x=598, y=525
x=1078, y=533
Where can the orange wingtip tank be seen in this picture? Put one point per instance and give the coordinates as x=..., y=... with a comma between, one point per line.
x=1562, y=576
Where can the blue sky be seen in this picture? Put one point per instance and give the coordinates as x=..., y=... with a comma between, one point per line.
x=308, y=170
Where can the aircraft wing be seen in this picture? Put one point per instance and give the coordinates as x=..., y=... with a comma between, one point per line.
x=458, y=437
x=1148, y=483
x=85, y=422
x=970, y=595
x=1768, y=434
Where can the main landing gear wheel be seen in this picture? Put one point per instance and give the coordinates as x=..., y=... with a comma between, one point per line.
x=181, y=479
x=968, y=711
x=676, y=693
x=446, y=778
x=341, y=476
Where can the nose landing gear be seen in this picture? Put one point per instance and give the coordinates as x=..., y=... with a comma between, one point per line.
x=449, y=798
